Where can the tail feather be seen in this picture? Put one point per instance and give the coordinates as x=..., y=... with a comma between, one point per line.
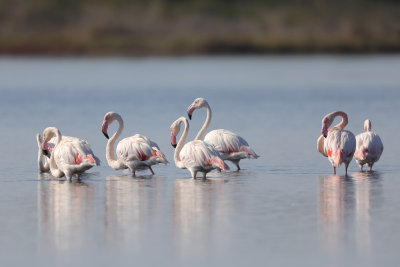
x=219, y=163
x=159, y=155
x=250, y=152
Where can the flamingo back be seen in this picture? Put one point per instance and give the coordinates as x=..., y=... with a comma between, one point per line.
x=198, y=154
x=74, y=151
x=340, y=146
x=137, y=147
x=227, y=142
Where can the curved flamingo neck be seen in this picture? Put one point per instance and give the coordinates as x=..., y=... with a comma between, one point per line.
x=45, y=167
x=200, y=134
x=112, y=162
x=53, y=165
x=182, y=140
x=343, y=123
x=367, y=126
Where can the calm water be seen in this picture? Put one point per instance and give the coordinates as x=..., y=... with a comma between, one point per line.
x=282, y=209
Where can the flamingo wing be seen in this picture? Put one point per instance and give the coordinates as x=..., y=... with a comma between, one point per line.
x=227, y=142
x=198, y=154
x=132, y=148
x=74, y=151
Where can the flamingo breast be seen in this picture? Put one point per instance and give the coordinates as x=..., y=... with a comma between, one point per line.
x=198, y=154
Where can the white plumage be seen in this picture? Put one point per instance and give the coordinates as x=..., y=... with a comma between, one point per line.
x=231, y=146
x=196, y=156
x=369, y=147
x=69, y=156
x=134, y=153
x=336, y=144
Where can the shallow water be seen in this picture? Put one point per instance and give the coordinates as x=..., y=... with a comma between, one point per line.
x=282, y=209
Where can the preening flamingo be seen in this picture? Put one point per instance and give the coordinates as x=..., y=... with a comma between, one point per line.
x=336, y=144
x=70, y=155
x=231, y=146
x=42, y=167
x=369, y=147
x=196, y=156
x=134, y=153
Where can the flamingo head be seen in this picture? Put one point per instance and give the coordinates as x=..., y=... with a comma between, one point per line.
x=367, y=125
x=47, y=135
x=326, y=122
x=108, y=118
x=197, y=103
x=175, y=129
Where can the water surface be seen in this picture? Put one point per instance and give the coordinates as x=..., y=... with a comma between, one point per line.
x=282, y=209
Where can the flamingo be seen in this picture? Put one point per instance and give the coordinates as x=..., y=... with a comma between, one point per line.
x=336, y=144
x=196, y=156
x=69, y=156
x=231, y=146
x=42, y=167
x=369, y=147
x=134, y=153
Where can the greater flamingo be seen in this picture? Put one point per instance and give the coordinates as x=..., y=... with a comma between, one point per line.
x=70, y=155
x=369, y=147
x=42, y=167
x=196, y=156
x=336, y=144
x=134, y=153
x=231, y=146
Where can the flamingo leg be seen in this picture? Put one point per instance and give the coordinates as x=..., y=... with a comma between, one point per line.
x=133, y=174
x=346, y=170
x=361, y=168
x=204, y=175
x=152, y=172
x=370, y=168
x=219, y=170
x=334, y=170
x=238, y=167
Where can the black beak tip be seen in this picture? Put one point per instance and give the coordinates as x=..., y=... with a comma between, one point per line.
x=325, y=135
x=190, y=116
x=46, y=153
x=106, y=135
x=174, y=145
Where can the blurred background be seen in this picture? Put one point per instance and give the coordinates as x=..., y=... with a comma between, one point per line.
x=196, y=27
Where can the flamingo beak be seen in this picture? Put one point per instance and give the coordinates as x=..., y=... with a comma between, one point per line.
x=104, y=129
x=46, y=153
x=190, y=110
x=173, y=140
x=45, y=149
x=324, y=131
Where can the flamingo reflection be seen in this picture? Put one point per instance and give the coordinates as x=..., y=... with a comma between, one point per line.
x=64, y=210
x=198, y=213
x=131, y=205
x=345, y=208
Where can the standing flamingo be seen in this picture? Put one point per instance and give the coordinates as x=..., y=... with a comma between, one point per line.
x=336, y=144
x=134, y=153
x=369, y=147
x=231, y=146
x=196, y=156
x=42, y=167
x=70, y=155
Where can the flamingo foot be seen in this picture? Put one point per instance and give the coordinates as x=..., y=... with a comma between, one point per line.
x=152, y=172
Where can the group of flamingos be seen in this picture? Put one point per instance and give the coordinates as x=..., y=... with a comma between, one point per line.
x=66, y=156
x=340, y=146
